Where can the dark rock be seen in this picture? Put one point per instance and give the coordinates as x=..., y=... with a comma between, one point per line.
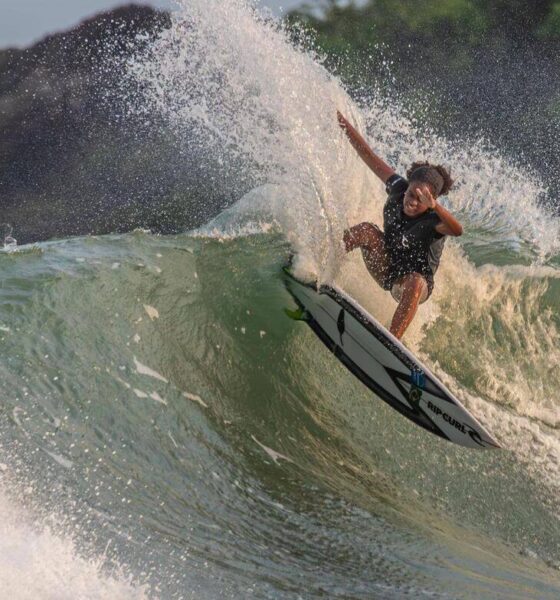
x=71, y=162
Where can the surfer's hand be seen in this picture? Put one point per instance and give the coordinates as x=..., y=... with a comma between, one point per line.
x=342, y=120
x=425, y=197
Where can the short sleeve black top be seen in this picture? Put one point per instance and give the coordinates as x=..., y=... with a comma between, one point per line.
x=413, y=244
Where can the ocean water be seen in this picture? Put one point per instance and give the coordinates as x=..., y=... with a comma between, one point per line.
x=167, y=432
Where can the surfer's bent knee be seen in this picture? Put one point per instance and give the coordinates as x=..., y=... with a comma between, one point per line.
x=370, y=240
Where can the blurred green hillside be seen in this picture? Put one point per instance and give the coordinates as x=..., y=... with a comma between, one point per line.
x=487, y=67
x=439, y=32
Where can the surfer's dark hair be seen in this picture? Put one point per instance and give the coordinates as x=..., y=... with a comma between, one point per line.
x=420, y=171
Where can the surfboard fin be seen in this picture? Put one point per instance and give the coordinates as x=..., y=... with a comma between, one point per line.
x=299, y=314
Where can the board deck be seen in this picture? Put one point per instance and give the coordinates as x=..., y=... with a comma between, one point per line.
x=384, y=365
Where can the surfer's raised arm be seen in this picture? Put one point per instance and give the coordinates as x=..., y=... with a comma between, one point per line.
x=448, y=224
x=376, y=164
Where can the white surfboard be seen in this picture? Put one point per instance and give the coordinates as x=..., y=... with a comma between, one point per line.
x=384, y=365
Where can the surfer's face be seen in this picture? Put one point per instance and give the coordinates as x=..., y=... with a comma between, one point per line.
x=412, y=206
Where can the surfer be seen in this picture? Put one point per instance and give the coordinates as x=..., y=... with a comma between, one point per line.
x=404, y=257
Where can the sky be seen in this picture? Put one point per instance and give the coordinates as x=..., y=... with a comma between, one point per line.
x=25, y=21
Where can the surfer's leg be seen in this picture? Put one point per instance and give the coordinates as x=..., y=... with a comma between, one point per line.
x=413, y=291
x=369, y=238
x=364, y=235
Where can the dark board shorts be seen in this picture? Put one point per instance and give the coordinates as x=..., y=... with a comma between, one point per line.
x=395, y=274
x=397, y=271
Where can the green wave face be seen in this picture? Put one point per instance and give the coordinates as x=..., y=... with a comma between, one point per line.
x=170, y=418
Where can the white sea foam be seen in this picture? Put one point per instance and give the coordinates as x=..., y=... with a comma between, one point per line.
x=61, y=460
x=256, y=101
x=274, y=455
x=152, y=312
x=36, y=563
x=155, y=396
x=144, y=370
x=195, y=398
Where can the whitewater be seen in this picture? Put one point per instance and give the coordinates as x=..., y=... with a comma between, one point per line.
x=167, y=432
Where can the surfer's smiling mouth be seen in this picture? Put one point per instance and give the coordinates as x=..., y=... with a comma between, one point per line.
x=411, y=206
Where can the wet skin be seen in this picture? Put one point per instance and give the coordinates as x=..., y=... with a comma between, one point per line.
x=418, y=198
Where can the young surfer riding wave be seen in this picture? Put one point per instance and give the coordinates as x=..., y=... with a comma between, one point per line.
x=404, y=257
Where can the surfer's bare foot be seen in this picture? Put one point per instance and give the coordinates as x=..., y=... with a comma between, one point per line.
x=342, y=121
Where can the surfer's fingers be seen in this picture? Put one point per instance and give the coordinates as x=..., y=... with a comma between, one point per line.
x=426, y=197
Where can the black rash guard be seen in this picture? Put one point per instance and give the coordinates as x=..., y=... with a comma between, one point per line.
x=412, y=243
